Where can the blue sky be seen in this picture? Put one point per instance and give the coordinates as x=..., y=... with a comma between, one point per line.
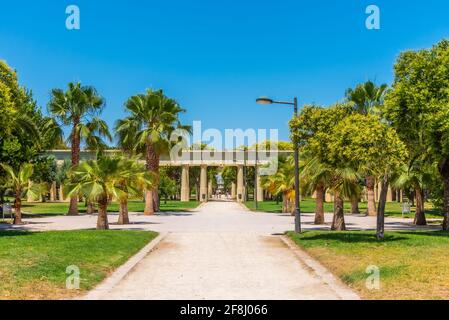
x=215, y=57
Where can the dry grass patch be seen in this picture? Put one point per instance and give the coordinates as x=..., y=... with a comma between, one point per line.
x=413, y=265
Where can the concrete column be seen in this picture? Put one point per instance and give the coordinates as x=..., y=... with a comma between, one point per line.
x=203, y=184
x=209, y=189
x=30, y=199
x=240, y=185
x=390, y=195
x=185, y=184
x=377, y=190
x=260, y=192
x=233, y=191
x=328, y=197
x=61, y=195
x=53, y=192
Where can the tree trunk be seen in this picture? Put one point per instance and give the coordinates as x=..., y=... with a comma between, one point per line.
x=380, y=225
x=291, y=207
x=420, y=216
x=370, y=183
x=355, y=205
x=18, y=207
x=152, y=196
x=338, y=223
x=73, y=209
x=319, y=208
x=90, y=209
x=2, y=195
x=284, y=203
x=156, y=200
x=123, y=217
x=102, y=220
x=149, y=204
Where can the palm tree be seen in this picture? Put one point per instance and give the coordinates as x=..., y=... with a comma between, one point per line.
x=19, y=182
x=343, y=184
x=413, y=178
x=283, y=182
x=315, y=177
x=153, y=119
x=368, y=99
x=79, y=107
x=134, y=178
x=104, y=179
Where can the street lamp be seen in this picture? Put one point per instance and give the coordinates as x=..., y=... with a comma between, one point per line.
x=267, y=101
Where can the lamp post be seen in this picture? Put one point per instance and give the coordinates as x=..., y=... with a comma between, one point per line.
x=256, y=170
x=267, y=101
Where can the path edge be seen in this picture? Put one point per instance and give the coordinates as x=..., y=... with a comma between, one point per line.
x=335, y=284
x=122, y=271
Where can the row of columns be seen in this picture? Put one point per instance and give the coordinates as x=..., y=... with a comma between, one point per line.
x=237, y=189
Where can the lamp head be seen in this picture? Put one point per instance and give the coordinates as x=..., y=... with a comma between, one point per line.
x=264, y=100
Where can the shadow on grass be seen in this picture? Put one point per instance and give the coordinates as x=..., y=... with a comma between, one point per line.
x=14, y=233
x=440, y=233
x=347, y=237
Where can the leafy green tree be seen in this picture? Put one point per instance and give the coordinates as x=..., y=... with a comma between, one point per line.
x=313, y=130
x=153, y=118
x=229, y=175
x=279, y=145
x=45, y=172
x=25, y=131
x=174, y=173
x=79, y=108
x=61, y=174
x=346, y=145
x=167, y=186
x=372, y=148
x=418, y=107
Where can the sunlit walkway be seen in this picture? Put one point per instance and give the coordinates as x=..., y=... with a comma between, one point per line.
x=223, y=252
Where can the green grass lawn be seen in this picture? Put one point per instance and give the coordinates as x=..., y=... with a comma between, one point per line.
x=33, y=264
x=58, y=208
x=413, y=265
x=393, y=209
